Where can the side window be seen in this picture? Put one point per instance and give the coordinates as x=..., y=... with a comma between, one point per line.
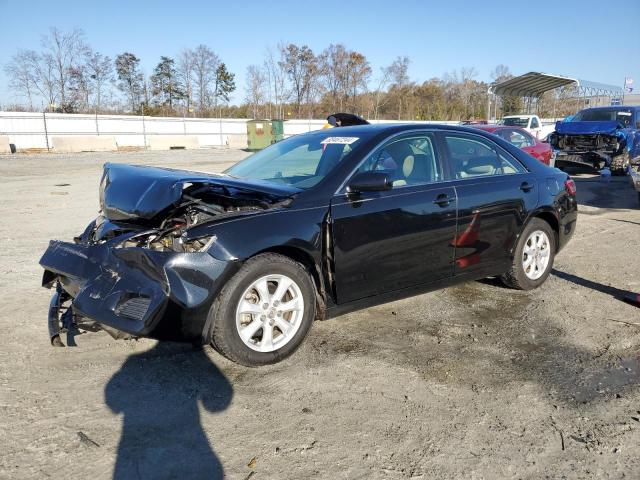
x=478, y=157
x=518, y=138
x=409, y=160
x=535, y=123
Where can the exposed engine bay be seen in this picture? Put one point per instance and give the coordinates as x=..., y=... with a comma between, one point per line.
x=199, y=204
x=607, y=144
x=168, y=208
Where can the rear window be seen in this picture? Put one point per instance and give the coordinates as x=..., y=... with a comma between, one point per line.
x=515, y=122
x=622, y=115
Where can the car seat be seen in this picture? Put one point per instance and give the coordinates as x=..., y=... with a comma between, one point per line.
x=480, y=166
x=415, y=170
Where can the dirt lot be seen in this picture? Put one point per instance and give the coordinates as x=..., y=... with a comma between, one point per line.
x=475, y=381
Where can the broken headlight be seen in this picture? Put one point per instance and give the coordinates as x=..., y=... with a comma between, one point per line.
x=173, y=241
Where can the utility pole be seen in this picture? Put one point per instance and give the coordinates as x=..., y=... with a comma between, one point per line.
x=220, y=125
x=144, y=131
x=46, y=134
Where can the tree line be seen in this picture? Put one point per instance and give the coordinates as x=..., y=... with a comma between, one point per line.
x=292, y=81
x=68, y=76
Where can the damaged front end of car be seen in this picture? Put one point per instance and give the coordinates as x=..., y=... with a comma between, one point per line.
x=592, y=144
x=151, y=264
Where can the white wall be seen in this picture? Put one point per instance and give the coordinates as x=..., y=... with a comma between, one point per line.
x=27, y=130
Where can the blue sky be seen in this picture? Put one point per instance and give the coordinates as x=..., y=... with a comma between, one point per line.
x=583, y=39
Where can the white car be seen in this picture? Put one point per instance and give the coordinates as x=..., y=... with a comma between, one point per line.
x=530, y=123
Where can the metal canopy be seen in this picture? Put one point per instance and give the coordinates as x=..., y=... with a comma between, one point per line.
x=534, y=84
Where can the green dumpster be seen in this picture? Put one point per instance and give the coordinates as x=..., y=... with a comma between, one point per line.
x=277, y=127
x=262, y=133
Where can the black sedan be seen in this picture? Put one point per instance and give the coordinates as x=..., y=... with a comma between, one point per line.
x=311, y=227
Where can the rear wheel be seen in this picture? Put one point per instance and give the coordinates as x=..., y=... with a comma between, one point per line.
x=264, y=312
x=533, y=258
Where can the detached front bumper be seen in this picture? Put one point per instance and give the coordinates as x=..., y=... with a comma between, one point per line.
x=143, y=292
x=595, y=160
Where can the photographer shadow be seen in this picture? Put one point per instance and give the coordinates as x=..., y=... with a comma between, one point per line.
x=158, y=393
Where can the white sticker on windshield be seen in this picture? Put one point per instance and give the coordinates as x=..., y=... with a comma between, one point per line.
x=624, y=113
x=339, y=140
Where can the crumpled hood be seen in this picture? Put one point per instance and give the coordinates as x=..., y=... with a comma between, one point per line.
x=588, y=128
x=131, y=192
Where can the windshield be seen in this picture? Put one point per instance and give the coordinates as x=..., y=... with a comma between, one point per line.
x=514, y=122
x=301, y=161
x=620, y=115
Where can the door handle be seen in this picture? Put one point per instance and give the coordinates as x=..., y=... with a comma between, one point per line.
x=526, y=187
x=443, y=200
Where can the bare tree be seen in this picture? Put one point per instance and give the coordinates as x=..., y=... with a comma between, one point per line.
x=333, y=66
x=301, y=66
x=379, y=93
x=205, y=63
x=277, y=80
x=501, y=72
x=32, y=74
x=399, y=73
x=100, y=72
x=64, y=51
x=255, y=85
x=357, y=76
x=22, y=76
x=507, y=104
x=185, y=71
x=345, y=73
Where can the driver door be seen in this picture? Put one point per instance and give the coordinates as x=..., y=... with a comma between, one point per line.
x=398, y=238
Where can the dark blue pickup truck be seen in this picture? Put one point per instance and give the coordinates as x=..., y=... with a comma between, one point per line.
x=599, y=137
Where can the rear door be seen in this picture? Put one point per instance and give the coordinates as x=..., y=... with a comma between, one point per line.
x=495, y=192
x=385, y=241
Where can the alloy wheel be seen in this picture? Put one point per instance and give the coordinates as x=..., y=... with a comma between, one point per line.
x=269, y=313
x=536, y=254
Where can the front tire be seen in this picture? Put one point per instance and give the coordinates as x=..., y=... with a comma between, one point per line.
x=620, y=164
x=533, y=258
x=264, y=312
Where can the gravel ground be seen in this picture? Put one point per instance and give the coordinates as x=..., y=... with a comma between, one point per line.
x=474, y=381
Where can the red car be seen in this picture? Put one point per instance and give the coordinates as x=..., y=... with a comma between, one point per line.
x=522, y=139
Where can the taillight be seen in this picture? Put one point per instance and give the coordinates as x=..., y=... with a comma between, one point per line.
x=570, y=187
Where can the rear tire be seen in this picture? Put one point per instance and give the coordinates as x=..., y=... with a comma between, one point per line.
x=271, y=300
x=533, y=258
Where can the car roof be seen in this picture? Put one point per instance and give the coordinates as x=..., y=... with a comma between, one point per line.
x=388, y=128
x=613, y=107
x=493, y=128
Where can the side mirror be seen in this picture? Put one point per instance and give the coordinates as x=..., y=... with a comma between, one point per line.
x=369, y=182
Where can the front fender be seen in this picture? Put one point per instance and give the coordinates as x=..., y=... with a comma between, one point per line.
x=243, y=237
